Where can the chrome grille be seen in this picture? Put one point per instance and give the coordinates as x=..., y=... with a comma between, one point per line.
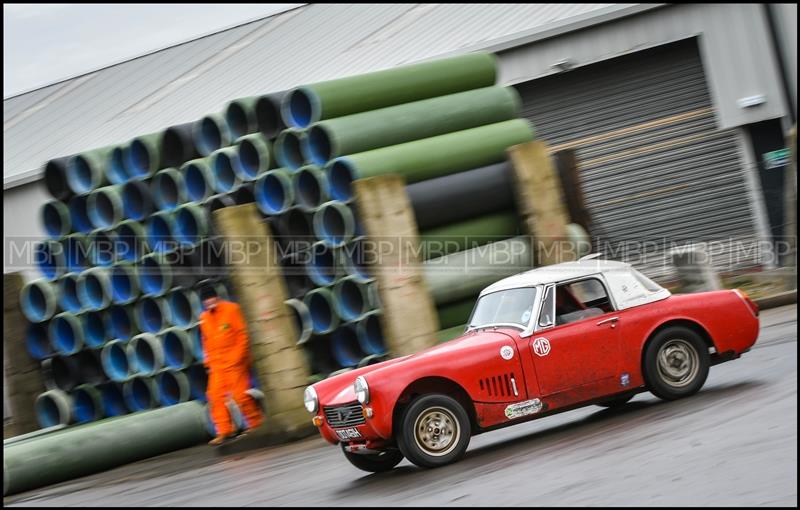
x=346, y=415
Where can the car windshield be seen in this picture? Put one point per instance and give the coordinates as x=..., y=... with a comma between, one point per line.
x=511, y=306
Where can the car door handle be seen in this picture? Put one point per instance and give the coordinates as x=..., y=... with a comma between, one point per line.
x=612, y=320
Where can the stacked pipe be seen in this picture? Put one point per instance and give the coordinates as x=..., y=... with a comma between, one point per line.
x=114, y=317
x=445, y=127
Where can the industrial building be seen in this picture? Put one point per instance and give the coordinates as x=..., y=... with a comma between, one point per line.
x=671, y=108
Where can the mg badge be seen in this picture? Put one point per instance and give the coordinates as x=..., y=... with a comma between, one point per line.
x=506, y=352
x=541, y=346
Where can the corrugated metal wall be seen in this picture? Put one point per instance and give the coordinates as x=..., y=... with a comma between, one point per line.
x=656, y=171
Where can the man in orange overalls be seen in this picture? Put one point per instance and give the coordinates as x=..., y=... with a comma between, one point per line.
x=227, y=358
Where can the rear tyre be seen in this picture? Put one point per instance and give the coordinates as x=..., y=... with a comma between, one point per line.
x=434, y=431
x=676, y=363
x=374, y=462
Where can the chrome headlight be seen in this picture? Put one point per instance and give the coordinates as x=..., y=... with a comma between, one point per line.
x=361, y=389
x=311, y=400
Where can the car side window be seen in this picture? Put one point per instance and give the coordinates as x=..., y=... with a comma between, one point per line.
x=581, y=300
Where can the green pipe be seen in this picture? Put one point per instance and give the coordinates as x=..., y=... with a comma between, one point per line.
x=334, y=98
x=93, y=447
x=143, y=155
x=468, y=234
x=448, y=334
x=364, y=131
x=255, y=156
x=463, y=274
x=87, y=171
x=455, y=313
x=430, y=157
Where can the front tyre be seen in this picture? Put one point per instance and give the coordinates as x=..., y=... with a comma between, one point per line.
x=676, y=363
x=374, y=462
x=435, y=431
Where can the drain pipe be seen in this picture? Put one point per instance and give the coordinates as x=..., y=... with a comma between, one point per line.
x=177, y=145
x=210, y=134
x=55, y=179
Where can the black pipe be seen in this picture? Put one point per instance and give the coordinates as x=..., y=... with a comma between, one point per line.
x=90, y=368
x=209, y=258
x=298, y=284
x=294, y=231
x=462, y=196
x=318, y=353
x=60, y=372
x=243, y=194
x=177, y=145
x=55, y=179
x=268, y=114
x=184, y=274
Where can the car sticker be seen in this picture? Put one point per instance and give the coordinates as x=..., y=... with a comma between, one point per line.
x=541, y=346
x=625, y=379
x=506, y=352
x=523, y=408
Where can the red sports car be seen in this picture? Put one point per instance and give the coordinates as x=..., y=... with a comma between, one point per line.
x=537, y=343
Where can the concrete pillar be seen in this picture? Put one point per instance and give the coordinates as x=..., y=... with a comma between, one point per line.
x=258, y=283
x=22, y=374
x=409, y=314
x=541, y=203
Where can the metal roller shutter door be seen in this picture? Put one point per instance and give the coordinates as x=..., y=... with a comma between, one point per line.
x=654, y=167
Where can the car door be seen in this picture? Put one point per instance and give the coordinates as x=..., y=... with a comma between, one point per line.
x=578, y=350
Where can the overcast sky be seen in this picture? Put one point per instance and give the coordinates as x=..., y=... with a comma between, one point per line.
x=45, y=43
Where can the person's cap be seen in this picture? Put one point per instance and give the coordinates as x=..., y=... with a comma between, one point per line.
x=207, y=291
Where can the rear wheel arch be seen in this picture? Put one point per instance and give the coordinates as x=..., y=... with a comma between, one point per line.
x=435, y=384
x=681, y=323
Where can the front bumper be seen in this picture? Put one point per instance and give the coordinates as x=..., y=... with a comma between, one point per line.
x=369, y=425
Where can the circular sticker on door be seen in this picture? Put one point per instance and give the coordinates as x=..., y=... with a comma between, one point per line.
x=541, y=346
x=506, y=352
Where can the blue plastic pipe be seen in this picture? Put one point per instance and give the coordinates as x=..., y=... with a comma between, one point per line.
x=75, y=248
x=155, y=275
x=105, y=206
x=87, y=404
x=191, y=225
x=198, y=380
x=131, y=240
x=198, y=179
x=178, y=348
x=94, y=288
x=334, y=223
x=288, y=148
x=79, y=214
x=274, y=193
x=352, y=298
x=169, y=189
x=38, y=300
x=140, y=393
x=112, y=399
x=160, y=229
x=137, y=200
x=345, y=347
x=211, y=133
x=116, y=172
x=124, y=284
x=310, y=187
x=66, y=334
x=116, y=360
x=320, y=304
x=37, y=341
x=356, y=257
x=151, y=314
x=184, y=307
x=49, y=259
x=95, y=333
x=68, y=293
x=53, y=408
x=121, y=322
x=324, y=264
x=370, y=334
x=55, y=218
x=173, y=387
x=102, y=246
x=147, y=354
x=222, y=163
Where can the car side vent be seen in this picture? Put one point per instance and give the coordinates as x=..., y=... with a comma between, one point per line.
x=499, y=385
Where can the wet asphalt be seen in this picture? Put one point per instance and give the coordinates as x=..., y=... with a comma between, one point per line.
x=732, y=444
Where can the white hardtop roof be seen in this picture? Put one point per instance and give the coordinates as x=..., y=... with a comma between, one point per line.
x=557, y=273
